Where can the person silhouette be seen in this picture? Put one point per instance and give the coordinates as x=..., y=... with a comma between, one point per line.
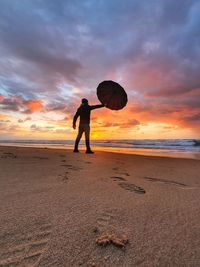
x=84, y=125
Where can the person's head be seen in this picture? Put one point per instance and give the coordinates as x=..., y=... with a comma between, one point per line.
x=84, y=101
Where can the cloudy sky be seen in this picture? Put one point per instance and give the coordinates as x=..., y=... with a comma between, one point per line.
x=53, y=53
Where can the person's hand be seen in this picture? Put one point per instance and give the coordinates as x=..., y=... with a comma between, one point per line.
x=74, y=126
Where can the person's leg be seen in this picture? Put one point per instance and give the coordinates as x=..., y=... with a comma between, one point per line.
x=78, y=138
x=87, y=139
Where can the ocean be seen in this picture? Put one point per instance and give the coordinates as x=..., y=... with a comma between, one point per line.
x=181, y=148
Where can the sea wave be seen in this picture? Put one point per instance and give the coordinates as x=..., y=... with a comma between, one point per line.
x=172, y=144
x=169, y=144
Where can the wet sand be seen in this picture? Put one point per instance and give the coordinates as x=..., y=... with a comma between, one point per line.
x=56, y=204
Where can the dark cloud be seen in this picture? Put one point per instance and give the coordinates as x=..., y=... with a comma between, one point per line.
x=34, y=48
x=10, y=104
x=193, y=118
x=56, y=107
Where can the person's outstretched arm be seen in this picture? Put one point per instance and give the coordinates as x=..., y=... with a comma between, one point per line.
x=75, y=118
x=96, y=106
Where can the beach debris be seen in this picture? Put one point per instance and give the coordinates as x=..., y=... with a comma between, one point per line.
x=108, y=239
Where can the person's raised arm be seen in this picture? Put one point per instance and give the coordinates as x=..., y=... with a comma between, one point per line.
x=75, y=118
x=96, y=106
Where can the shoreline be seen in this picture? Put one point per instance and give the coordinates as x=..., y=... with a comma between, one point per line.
x=128, y=151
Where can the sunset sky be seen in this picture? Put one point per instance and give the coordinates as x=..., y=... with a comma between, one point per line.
x=55, y=52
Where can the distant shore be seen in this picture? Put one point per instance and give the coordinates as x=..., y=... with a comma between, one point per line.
x=56, y=205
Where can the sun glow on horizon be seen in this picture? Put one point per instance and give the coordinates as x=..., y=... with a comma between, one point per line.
x=56, y=126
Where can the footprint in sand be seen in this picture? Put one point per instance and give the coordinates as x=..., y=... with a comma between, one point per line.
x=132, y=188
x=157, y=180
x=128, y=186
x=117, y=178
x=105, y=221
x=29, y=249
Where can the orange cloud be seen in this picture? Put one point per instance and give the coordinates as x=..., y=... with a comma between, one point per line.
x=34, y=105
x=4, y=118
x=19, y=104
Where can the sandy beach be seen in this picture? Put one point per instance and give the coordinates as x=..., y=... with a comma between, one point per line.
x=55, y=204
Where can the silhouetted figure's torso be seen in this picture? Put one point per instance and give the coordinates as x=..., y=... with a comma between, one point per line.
x=84, y=112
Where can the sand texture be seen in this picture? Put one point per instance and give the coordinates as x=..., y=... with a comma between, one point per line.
x=58, y=208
